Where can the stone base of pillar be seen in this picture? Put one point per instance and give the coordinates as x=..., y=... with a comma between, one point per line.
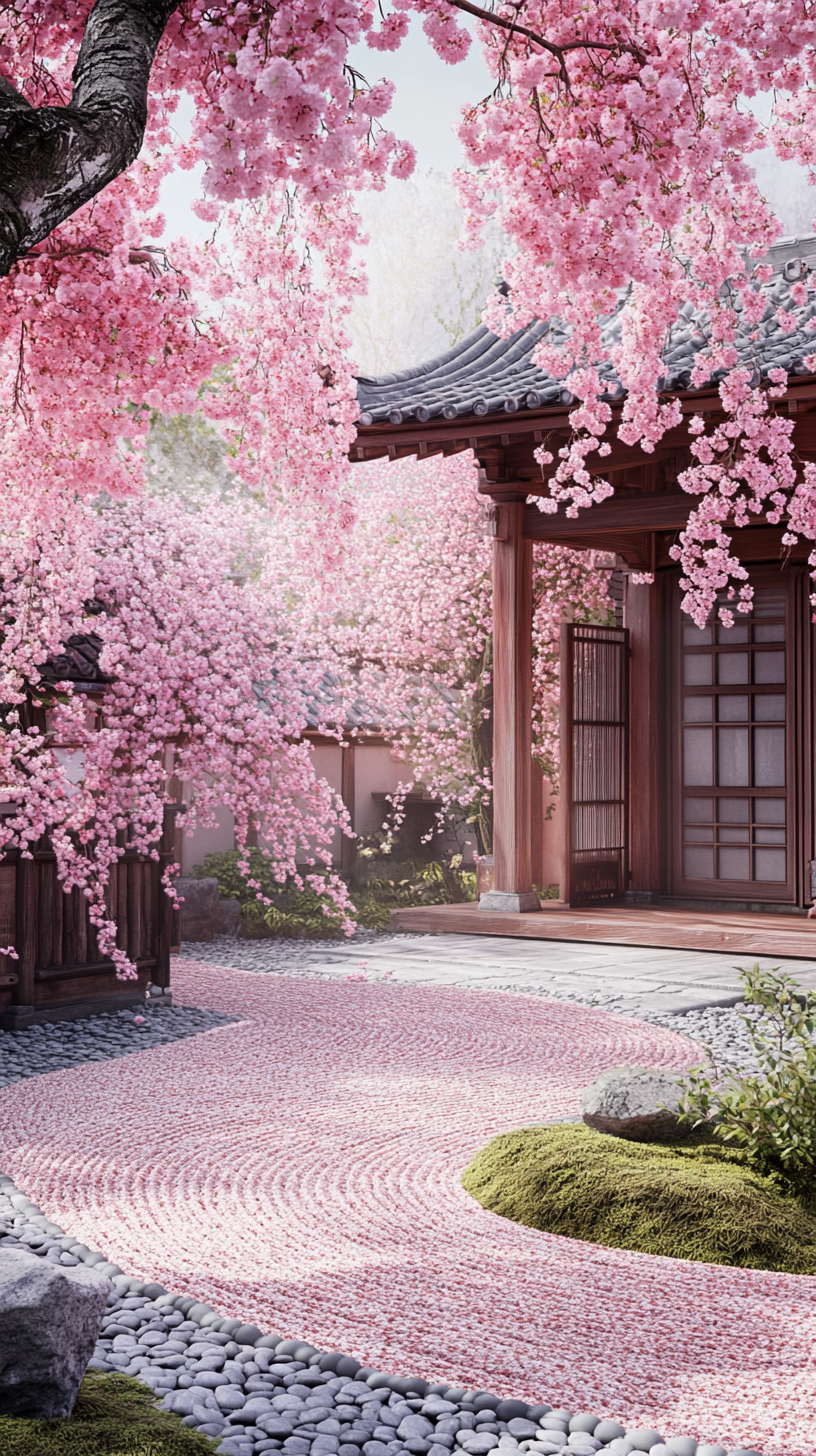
x=504, y=900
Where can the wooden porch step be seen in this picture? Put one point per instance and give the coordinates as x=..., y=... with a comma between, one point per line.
x=731, y=931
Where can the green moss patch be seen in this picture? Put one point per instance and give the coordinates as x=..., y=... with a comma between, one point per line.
x=114, y=1415
x=693, y=1200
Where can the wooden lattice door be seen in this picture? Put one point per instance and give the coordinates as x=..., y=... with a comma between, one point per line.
x=595, y=761
x=738, y=785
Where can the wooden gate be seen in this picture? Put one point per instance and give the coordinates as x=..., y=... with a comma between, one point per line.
x=595, y=761
x=59, y=972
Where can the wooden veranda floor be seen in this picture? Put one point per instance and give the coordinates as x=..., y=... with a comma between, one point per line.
x=766, y=935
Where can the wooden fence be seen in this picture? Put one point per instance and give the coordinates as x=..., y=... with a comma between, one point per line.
x=59, y=973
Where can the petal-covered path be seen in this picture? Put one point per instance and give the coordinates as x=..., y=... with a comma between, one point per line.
x=300, y=1169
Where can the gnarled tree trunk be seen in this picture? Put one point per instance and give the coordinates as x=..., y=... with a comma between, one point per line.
x=55, y=158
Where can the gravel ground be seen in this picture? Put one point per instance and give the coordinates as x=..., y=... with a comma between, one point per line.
x=720, y=1028
x=255, y=1393
x=280, y=956
x=52, y=1047
x=261, y=1398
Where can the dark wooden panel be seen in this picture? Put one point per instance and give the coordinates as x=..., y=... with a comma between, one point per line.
x=8, y=904
x=594, y=680
x=644, y=618
x=89, y=968
x=148, y=892
x=164, y=906
x=133, y=880
x=119, y=879
x=348, y=847
x=58, y=947
x=47, y=875
x=27, y=939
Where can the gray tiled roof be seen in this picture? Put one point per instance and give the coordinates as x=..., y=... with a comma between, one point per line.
x=78, y=663
x=484, y=374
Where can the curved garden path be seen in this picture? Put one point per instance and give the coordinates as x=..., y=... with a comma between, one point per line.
x=300, y=1170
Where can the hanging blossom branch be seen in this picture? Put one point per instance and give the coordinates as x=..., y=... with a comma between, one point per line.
x=745, y=468
x=559, y=52
x=198, y=663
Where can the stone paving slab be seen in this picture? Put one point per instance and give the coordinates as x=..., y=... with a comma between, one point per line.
x=636, y=978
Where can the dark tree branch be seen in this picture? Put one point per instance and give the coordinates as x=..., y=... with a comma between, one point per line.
x=559, y=52
x=55, y=158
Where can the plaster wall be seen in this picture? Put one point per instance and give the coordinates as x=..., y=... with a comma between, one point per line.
x=376, y=771
x=208, y=841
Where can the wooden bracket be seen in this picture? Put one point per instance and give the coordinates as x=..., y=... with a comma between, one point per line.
x=495, y=519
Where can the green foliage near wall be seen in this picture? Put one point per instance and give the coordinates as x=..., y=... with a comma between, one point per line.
x=114, y=1415
x=379, y=886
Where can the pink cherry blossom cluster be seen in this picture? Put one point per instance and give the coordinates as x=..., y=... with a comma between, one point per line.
x=617, y=158
x=615, y=152
x=208, y=681
x=409, y=614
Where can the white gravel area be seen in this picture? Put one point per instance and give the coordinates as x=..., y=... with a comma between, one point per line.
x=720, y=1028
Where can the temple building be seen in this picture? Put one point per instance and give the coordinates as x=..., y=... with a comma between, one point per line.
x=687, y=753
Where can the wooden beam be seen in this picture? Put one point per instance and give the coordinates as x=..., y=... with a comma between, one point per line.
x=647, y=811
x=667, y=512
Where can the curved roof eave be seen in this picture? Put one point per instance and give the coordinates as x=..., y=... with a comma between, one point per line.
x=485, y=375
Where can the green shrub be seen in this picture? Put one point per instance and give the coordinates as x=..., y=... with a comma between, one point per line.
x=114, y=1415
x=232, y=885
x=693, y=1200
x=293, y=911
x=417, y=882
x=377, y=889
x=772, y=1114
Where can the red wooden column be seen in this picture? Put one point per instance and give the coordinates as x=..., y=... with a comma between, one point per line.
x=512, y=709
x=348, y=847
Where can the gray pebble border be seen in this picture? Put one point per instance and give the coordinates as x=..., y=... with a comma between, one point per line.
x=252, y=1392
x=58, y=1045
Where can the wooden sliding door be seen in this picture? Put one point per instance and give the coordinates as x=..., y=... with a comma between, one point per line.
x=738, y=777
x=595, y=761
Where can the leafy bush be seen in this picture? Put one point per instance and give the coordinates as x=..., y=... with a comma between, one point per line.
x=437, y=882
x=376, y=891
x=114, y=1415
x=771, y=1114
x=292, y=911
x=232, y=885
x=691, y=1200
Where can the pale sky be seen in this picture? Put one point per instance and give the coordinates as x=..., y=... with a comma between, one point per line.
x=427, y=105
x=429, y=96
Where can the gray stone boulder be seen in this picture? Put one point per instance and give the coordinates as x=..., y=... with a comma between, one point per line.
x=639, y=1103
x=50, y=1318
x=229, y=917
x=199, y=911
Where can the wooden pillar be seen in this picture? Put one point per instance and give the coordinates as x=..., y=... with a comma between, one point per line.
x=512, y=713
x=644, y=618
x=348, y=847
x=167, y=921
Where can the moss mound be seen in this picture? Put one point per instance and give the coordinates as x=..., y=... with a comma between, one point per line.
x=114, y=1415
x=692, y=1200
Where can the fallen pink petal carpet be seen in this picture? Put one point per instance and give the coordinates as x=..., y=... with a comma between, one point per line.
x=300, y=1170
